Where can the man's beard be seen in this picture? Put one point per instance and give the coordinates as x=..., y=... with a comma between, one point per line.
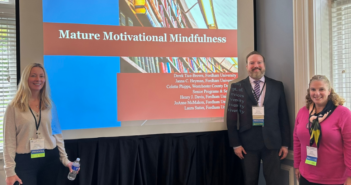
x=257, y=74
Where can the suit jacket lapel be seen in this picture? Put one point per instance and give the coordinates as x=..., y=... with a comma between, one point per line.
x=248, y=89
x=268, y=90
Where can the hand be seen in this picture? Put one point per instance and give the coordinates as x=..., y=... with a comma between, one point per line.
x=348, y=181
x=11, y=180
x=297, y=174
x=69, y=165
x=283, y=152
x=239, y=152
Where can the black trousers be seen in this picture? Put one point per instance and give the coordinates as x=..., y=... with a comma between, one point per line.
x=38, y=171
x=304, y=181
x=271, y=166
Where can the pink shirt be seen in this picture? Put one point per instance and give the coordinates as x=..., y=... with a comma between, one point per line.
x=334, y=152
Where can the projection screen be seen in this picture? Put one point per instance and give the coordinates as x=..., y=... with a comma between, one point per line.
x=134, y=67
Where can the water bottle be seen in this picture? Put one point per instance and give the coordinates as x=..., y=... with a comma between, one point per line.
x=75, y=167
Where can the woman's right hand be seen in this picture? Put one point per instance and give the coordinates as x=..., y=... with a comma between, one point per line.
x=11, y=180
x=297, y=174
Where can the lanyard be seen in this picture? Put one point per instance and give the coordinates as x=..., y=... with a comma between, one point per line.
x=253, y=92
x=37, y=124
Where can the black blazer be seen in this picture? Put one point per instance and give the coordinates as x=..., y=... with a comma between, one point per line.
x=276, y=130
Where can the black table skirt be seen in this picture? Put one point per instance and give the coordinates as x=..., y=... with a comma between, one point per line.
x=203, y=158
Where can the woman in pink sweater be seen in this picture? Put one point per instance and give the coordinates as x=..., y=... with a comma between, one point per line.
x=322, y=137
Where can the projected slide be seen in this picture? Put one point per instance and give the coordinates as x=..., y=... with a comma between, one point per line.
x=135, y=60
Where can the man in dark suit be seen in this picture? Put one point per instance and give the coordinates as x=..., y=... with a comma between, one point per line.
x=258, y=122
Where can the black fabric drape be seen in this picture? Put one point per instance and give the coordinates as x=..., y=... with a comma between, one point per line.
x=165, y=159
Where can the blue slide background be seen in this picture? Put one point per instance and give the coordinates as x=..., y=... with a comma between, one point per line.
x=84, y=88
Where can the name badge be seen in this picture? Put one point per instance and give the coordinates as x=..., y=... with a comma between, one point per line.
x=37, y=148
x=257, y=116
x=312, y=156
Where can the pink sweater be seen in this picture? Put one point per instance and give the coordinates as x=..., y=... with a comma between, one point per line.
x=334, y=152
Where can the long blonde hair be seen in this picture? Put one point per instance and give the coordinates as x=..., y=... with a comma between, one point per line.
x=337, y=100
x=21, y=99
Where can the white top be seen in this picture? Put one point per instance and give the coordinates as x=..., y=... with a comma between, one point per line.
x=19, y=127
x=262, y=81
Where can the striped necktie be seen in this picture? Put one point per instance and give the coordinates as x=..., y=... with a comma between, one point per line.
x=257, y=89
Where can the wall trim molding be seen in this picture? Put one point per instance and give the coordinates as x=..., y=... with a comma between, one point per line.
x=290, y=155
x=290, y=169
x=302, y=48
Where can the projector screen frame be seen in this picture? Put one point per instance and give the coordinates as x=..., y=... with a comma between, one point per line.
x=29, y=29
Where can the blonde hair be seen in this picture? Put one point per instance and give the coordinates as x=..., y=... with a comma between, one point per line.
x=337, y=100
x=21, y=99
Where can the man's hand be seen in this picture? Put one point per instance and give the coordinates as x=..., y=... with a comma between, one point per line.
x=297, y=174
x=239, y=152
x=283, y=152
x=11, y=180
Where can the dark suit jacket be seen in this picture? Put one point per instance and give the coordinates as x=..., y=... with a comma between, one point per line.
x=276, y=130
